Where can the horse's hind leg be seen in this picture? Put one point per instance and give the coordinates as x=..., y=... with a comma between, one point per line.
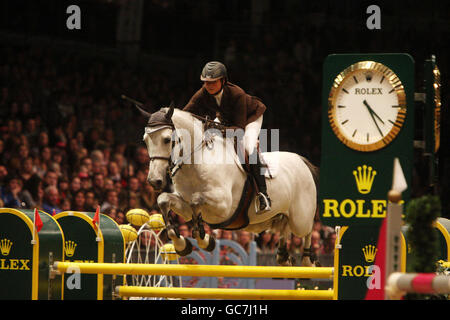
x=283, y=256
x=309, y=258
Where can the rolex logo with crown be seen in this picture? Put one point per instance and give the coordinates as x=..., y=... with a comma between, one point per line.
x=364, y=178
x=5, y=246
x=70, y=248
x=369, y=253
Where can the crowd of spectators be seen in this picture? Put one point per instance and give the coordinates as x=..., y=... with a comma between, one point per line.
x=65, y=146
x=68, y=142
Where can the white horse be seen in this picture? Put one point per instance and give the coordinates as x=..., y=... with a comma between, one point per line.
x=210, y=190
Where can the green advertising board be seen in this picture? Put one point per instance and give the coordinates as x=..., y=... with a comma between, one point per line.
x=367, y=122
x=84, y=242
x=26, y=256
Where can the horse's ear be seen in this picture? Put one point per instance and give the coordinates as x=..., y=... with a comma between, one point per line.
x=170, y=112
x=144, y=113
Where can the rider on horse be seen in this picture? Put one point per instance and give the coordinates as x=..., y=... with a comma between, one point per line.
x=231, y=106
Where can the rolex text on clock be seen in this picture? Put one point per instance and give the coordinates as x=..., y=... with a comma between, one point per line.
x=367, y=106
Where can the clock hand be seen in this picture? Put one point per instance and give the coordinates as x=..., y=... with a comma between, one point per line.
x=372, y=112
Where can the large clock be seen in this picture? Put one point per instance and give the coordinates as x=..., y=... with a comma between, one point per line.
x=367, y=106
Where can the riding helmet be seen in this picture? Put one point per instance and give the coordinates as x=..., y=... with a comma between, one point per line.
x=214, y=70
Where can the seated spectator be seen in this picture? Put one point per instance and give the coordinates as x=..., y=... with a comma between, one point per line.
x=322, y=229
x=51, y=200
x=78, y=201
x=141, y=158
x=86, y=182
x=87, y=163
x=129, y=202
x=46, y=155
x=63, y=187
x=51, y=179
x=316, y=243
x=184, y=230
x=244, y=238
x=91, y=202
x=148, y=197
x=66, y=205
x=40, y=197
x=29, y=177
x=114, y=171
x=3, y=175
x=40, y=167
x=111, y=212
x=108, y=184
x=227, y=234
x=296, y=245
x=263, y=242
x=75, y=185
x=111, y=200
x=120, y=218
x=98, y=168
x=329, y=244
x=14, y=196
x=98, y=186
x=134, y=185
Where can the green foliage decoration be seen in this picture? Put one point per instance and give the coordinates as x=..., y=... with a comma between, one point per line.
x=422, y=236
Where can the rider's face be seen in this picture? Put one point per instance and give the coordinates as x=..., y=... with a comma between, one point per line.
x=213, y=87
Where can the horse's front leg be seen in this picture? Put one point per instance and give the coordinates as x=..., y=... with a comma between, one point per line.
x=170, y=201
x=204, y=240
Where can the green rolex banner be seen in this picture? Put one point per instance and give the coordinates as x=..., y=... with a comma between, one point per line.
x=367, y=122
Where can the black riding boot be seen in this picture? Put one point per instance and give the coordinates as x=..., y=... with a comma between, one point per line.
x=263, y=198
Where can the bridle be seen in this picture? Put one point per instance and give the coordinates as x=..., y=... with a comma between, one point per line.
x=174, y=166
x=156, y=127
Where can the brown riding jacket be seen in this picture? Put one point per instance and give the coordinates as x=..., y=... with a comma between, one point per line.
x=237, y=108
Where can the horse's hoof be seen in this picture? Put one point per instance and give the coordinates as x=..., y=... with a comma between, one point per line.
x=172, y=233
x=187, y=249
x=286, y=263
x=292, y=260
x=211, y=245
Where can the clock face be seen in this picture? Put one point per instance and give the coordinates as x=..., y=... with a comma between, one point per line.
x=367, y=106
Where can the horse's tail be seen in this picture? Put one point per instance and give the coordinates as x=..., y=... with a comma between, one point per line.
x=314, y=171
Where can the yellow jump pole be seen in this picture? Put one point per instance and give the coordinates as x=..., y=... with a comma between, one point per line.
x=215, y=293
x=197, y=270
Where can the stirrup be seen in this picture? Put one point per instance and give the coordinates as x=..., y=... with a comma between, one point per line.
x=266, y=201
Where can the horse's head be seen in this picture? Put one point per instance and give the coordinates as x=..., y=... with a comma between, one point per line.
x=158, y=138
